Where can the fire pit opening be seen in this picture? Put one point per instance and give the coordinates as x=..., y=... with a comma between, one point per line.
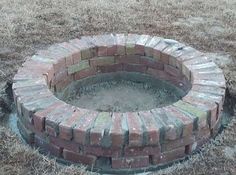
x=120, y=92
x=119, y=103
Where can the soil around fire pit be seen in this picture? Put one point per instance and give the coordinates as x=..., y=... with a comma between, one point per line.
x=120, y=92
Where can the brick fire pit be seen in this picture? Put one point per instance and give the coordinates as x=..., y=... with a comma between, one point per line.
x=115, y=141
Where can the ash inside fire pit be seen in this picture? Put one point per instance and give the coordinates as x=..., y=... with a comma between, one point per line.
x=120, y=92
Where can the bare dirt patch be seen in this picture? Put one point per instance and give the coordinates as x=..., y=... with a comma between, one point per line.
x=26, y=26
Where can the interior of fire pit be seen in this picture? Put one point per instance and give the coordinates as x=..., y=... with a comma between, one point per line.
x=120, y=92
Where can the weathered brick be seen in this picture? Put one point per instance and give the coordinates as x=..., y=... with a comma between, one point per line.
x=110, y=68
x=130, y=162
x=118, y=130
x=141, y=151
x=149, y=46
x=69, y=145
x=209, y=89
x=54, y=118
x=78, y=67
x=135, y=129
x=39, y=116
x=100, y=61
x=100, y=129
x=104, y=152
x=152, y=130
x=174, y=144
x=140, y=44
x=131, y=40
x=151, y=63
x=200, y=114
x=185, y=119
x=86, y=49
x=82, y=127
x=172, y=70
x=132, y=59
x=134, y=68
x=75, y=53
x=173, y=128
x=47, y=147
x=65, y=127
x=168, y=156
x=84, y=73
x=120, y=42
x=27, y=134
x=79, y=158
x=101, y=45
x=110, y=40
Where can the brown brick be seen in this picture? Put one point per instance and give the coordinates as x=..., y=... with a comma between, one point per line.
x=79, y=158
x=149, y=46
x=26, y=133
x=100, y=61
x=120, y=42
x=84, y=73
x=172, y=70
x=131, y=162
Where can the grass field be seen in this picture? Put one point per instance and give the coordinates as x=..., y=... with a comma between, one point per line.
x=29, y=25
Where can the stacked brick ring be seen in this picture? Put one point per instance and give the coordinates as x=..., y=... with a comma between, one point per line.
x=111, y=140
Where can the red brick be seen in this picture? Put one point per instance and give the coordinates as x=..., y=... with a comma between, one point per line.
x=52, y=149
x=110, y=68
x=151, y=128
x=97, y=132
x=209, y=89
x=149, y=46
x=132, y=59
x=140, y=44
x=157, y=52
x=100, y=61
x=82, y=127
x=27, y=134
x=79, y=158
x=172, y=70
x=101, y=45
x=84, y=73
x=169, y=156
x=186, y=120
x=152, y=63
x=174, y=144
x=131, y=40
x=39, y=117
x=210, y=106
x=104, y=152
x=65, y=127
x=69, y=145
x=120, y=42
x=75, y=54
x=86, y=49
x=159, y=74
x=111, y=44
x=135, y=129
x=117, y=130
x=57, y=116
x=131, y=162
x=135, y=68
x=141, y=151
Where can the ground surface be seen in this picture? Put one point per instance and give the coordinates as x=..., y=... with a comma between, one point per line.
x=26, y=25
x=121, y=94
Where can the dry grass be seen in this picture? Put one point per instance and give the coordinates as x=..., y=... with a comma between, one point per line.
x=27, y=25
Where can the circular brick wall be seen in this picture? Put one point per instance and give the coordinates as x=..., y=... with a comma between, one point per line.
x=110, y=140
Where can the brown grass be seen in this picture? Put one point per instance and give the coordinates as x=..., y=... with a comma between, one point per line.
x=27, y=25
